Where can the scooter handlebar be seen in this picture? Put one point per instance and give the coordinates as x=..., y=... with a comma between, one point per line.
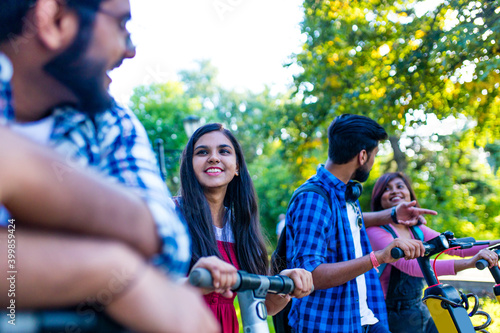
x=201, y=277
x=279, y=284
x=482, y=264
x=397, y=253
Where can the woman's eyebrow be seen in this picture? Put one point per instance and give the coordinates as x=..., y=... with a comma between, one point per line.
x=219, y=146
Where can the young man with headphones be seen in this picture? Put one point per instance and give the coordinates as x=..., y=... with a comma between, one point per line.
x=329, y=238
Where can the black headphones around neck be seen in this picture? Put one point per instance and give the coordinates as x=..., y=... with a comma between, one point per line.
x=353, y=191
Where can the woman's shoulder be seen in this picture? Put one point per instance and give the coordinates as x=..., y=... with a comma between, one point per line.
x=428, y=232
x=379, y=231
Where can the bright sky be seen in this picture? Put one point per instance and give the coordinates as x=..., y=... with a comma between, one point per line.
x=247, y=40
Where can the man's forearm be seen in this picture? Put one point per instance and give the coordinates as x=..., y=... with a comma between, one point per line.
x=332, y=275
x=40, y=189
x=373, y=219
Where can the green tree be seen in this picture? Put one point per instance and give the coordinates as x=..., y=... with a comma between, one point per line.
x=397, y=61
x=459, y=184
x=162, y=108
x=407, y=64
x=493, y=150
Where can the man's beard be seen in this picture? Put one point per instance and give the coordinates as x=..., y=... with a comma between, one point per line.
x=361, y=175
x=83, y=76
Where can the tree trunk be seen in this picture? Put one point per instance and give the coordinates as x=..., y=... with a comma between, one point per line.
x=399, y=156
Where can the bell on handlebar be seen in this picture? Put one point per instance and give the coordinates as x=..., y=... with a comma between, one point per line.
x=448, y=234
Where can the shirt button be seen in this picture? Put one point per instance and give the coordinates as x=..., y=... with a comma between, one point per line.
x=214, y=300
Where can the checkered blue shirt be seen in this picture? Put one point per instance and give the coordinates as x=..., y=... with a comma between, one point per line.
x=316, y=235
x=114, y=144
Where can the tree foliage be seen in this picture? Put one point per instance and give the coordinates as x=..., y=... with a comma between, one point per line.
x=428, y=75
x=161, y=108
x=391, y=60
x=409, y=65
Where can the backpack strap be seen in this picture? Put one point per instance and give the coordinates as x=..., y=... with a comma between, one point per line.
x=415, y=230
x=311, y=188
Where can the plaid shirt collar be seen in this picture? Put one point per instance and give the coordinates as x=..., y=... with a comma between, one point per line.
x=329, y=179
x=66, y=119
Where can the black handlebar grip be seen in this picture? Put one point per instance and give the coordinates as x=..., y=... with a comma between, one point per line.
x=465, y=240
x=281, y=284
x=278, y=284
x=202, y=278
x=397, y=253
x=482, y=264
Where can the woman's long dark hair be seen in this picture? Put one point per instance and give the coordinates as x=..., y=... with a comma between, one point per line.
x=381, y=184
x=241, y=201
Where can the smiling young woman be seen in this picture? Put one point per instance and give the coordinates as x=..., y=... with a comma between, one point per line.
x=219, y=203
x=402, y=281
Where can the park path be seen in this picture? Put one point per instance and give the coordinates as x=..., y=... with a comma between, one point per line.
x=471, y=280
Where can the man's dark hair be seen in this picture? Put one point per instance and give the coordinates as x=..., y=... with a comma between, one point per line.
x=349, y=134
x=13, y=14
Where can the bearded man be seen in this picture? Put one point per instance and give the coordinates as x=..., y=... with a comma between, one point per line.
x=78, y=179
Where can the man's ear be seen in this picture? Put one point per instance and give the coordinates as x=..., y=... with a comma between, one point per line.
x=363, y=157
x=57, y=25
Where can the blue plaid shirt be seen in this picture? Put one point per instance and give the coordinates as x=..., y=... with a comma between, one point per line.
x=114, y=144
x=316, y=235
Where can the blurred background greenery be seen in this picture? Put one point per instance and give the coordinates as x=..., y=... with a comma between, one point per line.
x=428, y=74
